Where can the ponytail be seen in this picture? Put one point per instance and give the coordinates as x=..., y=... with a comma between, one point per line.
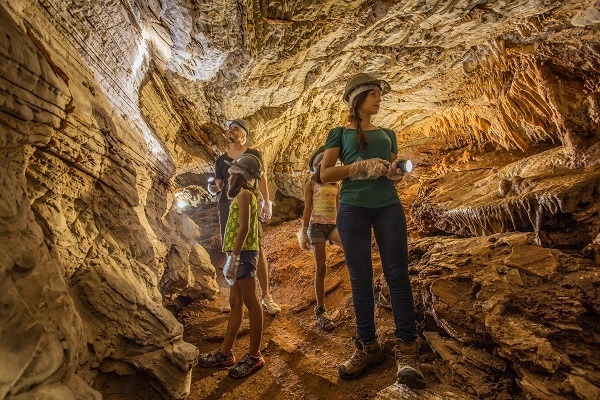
x=236, y=182
x=361, y=136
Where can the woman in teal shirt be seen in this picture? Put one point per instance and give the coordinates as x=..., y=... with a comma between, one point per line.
x=369, y=202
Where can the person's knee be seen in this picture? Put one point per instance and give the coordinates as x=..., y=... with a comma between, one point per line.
x=236, y=303
x=361, y=272
x=362, y=283
x=396, y=273
x=251, y=301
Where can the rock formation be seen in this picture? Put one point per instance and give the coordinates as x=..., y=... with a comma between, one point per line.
x=112, y=111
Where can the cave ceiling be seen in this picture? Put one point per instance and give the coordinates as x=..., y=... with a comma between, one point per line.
x=462, y=72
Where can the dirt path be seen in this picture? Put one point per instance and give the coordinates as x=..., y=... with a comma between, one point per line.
x=301, y=359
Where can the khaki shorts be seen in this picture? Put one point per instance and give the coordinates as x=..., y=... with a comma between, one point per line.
x=320, y=233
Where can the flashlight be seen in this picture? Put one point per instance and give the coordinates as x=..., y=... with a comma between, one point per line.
x=211, y=183
x=403, y=166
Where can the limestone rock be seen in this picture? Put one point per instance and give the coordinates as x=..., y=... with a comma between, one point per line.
x=482, y=298
x=80, y=256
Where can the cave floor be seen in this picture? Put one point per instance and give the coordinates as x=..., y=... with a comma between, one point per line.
x=301, y=360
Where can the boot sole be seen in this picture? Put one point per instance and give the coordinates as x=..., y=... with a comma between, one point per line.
x=411, y=379
x=348, y=377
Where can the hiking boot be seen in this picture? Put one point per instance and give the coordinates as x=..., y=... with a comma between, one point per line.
x=247, y=365
x=323, y=319
x=270, y=306
x=409, y=367
x=216, y=359
x=364, y=356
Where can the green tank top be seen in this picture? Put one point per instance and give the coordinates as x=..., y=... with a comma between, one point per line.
x=233, y=225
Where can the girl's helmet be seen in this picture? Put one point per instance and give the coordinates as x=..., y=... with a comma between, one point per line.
x=248, y=165
x=315, y=159
x=364, y=79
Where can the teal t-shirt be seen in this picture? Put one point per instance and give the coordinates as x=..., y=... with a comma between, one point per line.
x=370, y=193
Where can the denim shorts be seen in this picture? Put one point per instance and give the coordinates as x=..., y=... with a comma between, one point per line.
x=320, y=233
x=248, y=262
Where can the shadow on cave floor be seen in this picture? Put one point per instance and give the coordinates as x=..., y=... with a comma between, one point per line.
x=301, y=359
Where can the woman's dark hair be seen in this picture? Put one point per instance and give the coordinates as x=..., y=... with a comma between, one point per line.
x=354, y=116
x=236, y=183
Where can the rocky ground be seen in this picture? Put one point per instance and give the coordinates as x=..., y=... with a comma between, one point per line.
x=301, y=359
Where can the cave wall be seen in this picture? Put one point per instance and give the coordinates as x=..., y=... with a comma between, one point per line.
x=87, y=234
x=508, y=318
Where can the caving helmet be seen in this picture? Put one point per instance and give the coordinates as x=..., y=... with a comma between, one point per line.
x=315, y=159
x=241, y=123
x=247, y=165
x=362, y=82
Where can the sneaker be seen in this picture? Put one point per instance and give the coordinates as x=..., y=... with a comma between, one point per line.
x=380, y=299
x=216, y=359
x=270, y=306
x=323, y=319
x=364, y=355
x=247, y=365
x=409, y=367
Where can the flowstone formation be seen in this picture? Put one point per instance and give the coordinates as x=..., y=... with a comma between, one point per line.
x=112, y=115
x=85, y=239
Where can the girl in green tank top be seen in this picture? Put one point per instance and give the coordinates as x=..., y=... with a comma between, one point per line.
x=240, y=242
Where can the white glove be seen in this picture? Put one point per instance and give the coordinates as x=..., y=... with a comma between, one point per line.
x=372, y=168
x=303, y=239
x=266, y=211
x=213, y=189
x=230, y=268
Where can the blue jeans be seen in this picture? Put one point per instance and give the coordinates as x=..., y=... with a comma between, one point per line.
x=389, y=225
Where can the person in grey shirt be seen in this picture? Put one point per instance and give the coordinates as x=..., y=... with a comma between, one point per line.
x=237, y=134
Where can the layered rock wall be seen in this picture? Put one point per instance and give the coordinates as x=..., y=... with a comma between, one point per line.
x=85, y=241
